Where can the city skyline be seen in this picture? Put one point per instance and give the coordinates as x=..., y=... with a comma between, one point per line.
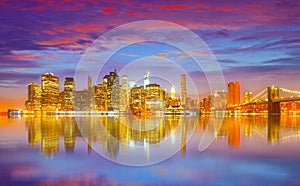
x=255, y=42
x=109, y=95
x=149, y=98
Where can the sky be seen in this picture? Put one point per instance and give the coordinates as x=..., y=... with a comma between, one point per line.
x=254, y=42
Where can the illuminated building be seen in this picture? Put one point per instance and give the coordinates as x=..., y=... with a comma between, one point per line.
x=233, y=94
x=124, y=91
x=131, y=83
x=111, y=86
x=164, y=96
x=173, y=92
x=91, y=90
x=146, y=78
x=50, y=92
x=194, y=104
x=84, y=99
x=34, y=97
x=206, y=104
x=60, y=103
x=137, y=100
x=188, y=103
x=100, y=98
x=183, y=89
x=247, y=97
x=90, y=84
x=219, y=100
x=153, y=98
x=68, y=94
x=174, y=103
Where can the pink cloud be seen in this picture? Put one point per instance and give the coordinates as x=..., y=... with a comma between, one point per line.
x=84, y=28
x=173, y=7
x=107, y=10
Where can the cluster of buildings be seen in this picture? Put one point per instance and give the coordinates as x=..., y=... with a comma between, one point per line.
x=222, y=100
x=108, y=96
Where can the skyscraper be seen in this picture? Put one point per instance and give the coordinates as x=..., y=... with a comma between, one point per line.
x=34, y=97
x=183, y=89
x=137, y=100
x=153, y=99
x=247, y=97
x=100, y=98
x=111, y=86
x=233, y=94
x=173, y=92
x=84, y=99
x=146, y=78
x=125, y=92
x=90, y=84
x=68, y=94
x=50, y=92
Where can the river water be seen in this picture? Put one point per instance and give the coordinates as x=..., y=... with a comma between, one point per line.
x=246, y=150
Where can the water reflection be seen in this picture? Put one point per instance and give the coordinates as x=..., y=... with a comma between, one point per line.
x=112, y=136
x=47, y=130
x=128, y=140
x=119, y=138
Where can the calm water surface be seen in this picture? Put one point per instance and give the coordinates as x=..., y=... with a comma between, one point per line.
x=247, y=150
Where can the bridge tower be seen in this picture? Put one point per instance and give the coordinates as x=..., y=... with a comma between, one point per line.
x=273, y=107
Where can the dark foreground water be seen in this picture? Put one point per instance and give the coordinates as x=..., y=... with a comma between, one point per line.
x=248, y=150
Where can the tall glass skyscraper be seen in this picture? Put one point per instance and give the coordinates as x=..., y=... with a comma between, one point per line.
x=50, y=92
x=183, y=89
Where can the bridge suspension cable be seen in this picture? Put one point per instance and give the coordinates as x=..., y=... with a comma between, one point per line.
x=260, y=94
x=290, y=91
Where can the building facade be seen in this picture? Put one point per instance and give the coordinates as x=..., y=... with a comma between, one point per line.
x=111, y=86
x=50, y=92
x=34, y=97
x=233, y=94
x=183, y=94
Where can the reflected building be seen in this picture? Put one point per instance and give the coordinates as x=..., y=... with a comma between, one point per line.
x=34, y=130
x=50, y=136
x=273, y=128
x=109, y=133
x=112, y=142
x=69, y=134
x=234, y=135
x=183, y=139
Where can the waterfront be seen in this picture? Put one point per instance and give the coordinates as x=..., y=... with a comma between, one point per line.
x=247, y=150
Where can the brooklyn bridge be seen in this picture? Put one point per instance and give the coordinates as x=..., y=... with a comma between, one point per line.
x=273, y=100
